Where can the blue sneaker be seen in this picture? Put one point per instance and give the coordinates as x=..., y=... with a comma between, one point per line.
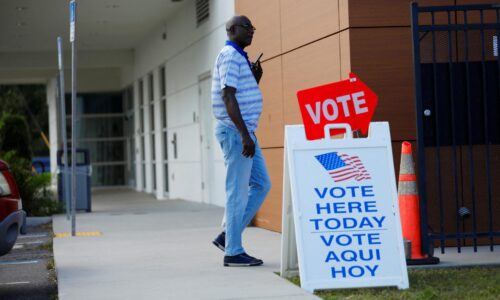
x=244, y=254
x=241, y=260
x=220, y=241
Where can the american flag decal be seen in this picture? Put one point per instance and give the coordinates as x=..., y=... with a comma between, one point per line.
x=343, y=167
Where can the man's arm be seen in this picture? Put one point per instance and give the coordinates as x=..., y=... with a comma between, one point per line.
x=233, y=111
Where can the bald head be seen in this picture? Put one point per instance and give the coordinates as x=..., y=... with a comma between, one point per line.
x=240, y=30
x=236, y=20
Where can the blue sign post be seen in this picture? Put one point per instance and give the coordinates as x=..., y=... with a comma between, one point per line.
x=72, y=19
x=72, y=38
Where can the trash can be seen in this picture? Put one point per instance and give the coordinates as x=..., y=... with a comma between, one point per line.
x=83, y=172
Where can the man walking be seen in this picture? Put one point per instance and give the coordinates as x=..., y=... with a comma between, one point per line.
x=237, y=105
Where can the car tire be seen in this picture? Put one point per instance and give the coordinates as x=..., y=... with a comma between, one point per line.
x=10, y=239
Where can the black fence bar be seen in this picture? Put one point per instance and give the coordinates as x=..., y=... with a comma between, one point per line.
x=469, y=130
x=486, y=132
x=458, y=7
x=436, y=131
x=420, y=132
x=453, y=134
x=457, y=27
x=498, y=56
x=462, y=235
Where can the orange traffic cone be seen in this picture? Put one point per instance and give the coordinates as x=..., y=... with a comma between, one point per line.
x=409, y=207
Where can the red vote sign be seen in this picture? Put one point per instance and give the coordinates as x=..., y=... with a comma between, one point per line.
x=348, y=101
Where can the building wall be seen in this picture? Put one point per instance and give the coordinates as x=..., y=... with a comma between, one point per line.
x=302, y=46
x=187, y=55
x=310, y=43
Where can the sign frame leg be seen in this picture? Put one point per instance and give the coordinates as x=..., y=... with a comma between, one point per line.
x=289, y=256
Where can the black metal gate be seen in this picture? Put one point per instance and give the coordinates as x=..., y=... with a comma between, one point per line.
x=457, y=86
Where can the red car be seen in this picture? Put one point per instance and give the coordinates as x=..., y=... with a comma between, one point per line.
x=12, y=215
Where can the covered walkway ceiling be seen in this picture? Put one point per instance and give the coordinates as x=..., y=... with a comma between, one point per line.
x=107, y=30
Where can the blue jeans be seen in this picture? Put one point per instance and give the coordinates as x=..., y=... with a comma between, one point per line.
x=247, y=184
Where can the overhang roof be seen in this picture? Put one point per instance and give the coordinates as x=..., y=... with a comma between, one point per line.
x=33, y=25
x=29, y=28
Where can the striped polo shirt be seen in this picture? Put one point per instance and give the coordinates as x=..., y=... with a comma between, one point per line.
x=232, y=69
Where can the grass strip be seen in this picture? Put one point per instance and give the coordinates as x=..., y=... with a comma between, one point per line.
x=430, y=283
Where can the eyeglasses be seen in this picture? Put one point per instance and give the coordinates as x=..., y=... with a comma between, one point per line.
x=248, y=27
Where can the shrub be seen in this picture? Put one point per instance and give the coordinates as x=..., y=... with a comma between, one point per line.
x=15, y=135
x=38, y=199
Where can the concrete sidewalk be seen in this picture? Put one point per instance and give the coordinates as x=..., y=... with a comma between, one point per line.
x=466, y=258
x=153, y=249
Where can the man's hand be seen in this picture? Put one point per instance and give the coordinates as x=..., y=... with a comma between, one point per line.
x=257, y=71
x=248, y=146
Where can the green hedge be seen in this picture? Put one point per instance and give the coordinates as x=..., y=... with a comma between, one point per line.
x=15, y=135
x=38, y=199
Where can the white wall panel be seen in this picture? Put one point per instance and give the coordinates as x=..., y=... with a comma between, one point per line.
x=219, y=186
x=184, y=68
x=185, y=169
x=187, y=52
x=147, y=137
x=181, y=106
x=160, y=186
x=138, y=145
x=185, y=179
x=97, y=80
x=127, y=76
x=220, y=175
x=182, y=33
x=188, y=146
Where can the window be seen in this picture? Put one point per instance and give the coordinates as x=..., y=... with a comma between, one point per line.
x=107, y=175
x=202, y=11
x=129, y=128
x=151, y=104
x=101, y=130
x=141, y=107
x=4, y=186
x=141, y=133
x=129, y=98
x=163, y=94
x=163, y=83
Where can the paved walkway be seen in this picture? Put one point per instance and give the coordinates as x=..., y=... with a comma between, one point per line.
x=466, y=258
x=153, y=249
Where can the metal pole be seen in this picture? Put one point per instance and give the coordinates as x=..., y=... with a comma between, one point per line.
x=420, y=128
x=65, y=170
x=72, y=5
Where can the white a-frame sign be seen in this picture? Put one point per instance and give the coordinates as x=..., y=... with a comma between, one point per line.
x=340, y=211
